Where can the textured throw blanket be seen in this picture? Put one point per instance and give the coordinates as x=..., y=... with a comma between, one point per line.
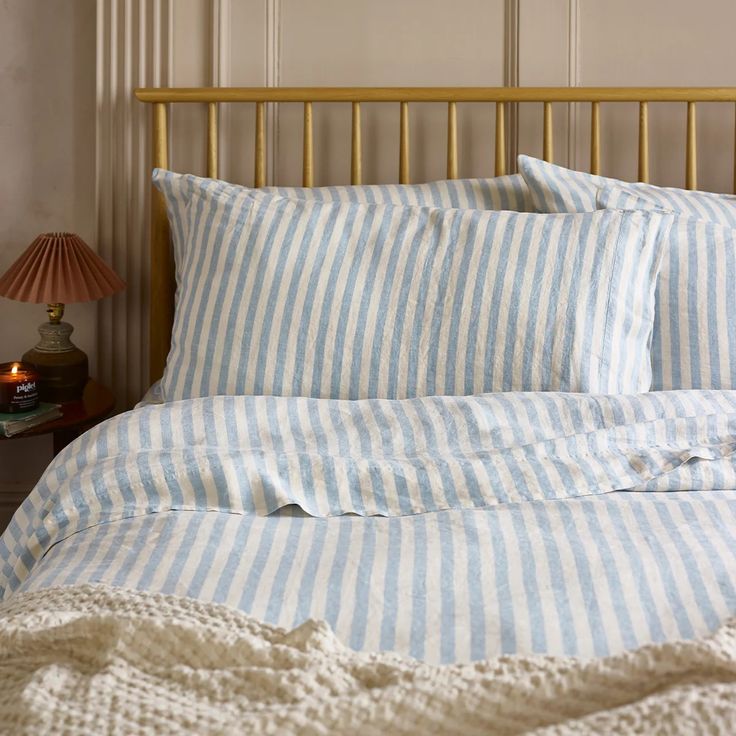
x=92, y=660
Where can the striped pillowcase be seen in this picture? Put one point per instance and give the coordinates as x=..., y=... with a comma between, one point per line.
x=716, y=208
x=557, y=189
x=499, y=193
x=694, y=339
x=350, y=300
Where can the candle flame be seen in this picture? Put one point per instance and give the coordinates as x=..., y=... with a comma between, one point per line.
x=14, y=369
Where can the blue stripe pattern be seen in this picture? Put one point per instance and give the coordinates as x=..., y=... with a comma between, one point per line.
x=554, y=188
x=399, y=552
x=341, y=300
x=694, y=336
x=506, y=597
x=255, y=455
x=499, y=193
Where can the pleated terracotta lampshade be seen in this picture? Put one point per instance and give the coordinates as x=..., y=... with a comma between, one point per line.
x=59, y=268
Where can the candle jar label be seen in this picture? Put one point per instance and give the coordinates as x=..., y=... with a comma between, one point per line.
x=25, y=397
x=18, y=388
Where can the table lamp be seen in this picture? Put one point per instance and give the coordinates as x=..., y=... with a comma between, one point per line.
x=58, y=269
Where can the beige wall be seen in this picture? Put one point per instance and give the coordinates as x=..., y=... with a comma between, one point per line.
x=484, y=42
x=665, y=43
x=47, y=146
x=332, y=42
x=634, y=42
x=388, y=43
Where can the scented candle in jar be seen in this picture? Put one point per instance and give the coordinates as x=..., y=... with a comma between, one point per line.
x=18, y=388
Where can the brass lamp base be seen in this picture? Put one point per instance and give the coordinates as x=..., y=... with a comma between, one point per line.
x=63, y=369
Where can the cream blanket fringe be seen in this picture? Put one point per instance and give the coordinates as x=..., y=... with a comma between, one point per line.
x=97, y=660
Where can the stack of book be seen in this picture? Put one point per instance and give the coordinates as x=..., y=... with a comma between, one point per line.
x=12, y=424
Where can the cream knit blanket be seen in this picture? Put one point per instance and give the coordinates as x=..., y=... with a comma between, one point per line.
x=96, y=660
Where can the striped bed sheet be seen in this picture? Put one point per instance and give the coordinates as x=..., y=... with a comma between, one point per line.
x=585, y=577
x=449, y=529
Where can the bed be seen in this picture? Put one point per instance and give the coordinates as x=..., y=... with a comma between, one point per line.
x=519, y=536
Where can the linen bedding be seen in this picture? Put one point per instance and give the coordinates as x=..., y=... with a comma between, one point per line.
x=450, y=529
x=348, y=300
x=554, y=188
x=499, y=193
x=694, y=337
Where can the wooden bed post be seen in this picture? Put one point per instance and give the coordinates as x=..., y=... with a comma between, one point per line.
x=595, y=138
x=643, y=167
x=500, y=158
x=162, y=281
x=404, y=144
x=691, y=151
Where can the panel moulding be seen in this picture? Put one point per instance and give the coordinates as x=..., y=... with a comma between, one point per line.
x=133, y=49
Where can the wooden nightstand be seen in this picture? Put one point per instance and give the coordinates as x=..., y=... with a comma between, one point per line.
x=78, y=416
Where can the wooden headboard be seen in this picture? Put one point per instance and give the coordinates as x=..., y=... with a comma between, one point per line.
x=163, y=286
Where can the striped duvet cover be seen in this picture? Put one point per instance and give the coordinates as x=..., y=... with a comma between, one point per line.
x=446, y=528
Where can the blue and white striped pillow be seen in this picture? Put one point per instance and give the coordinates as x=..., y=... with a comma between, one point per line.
x=348, y=300
x=694, y=339
x=499, y=193
x=716, y=208
x=557, y=189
